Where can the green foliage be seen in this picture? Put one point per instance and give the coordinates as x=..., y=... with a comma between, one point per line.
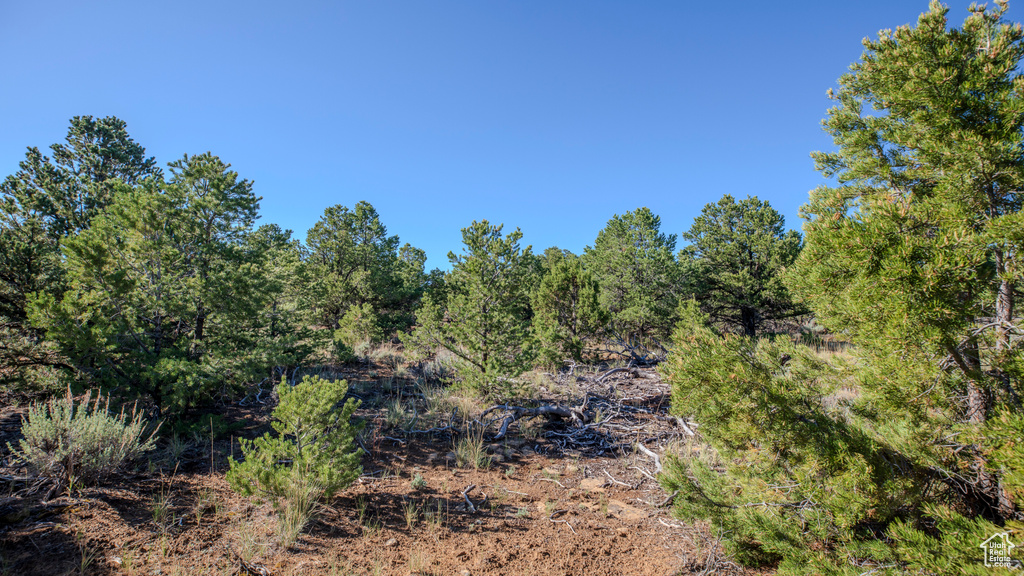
x=359, y=325
x=354, y=263
x=735, y=261
x=914, y=253
x=169, y=299
x=484, y=320
x=277, y=278
x=567, y=311
x=314, y=444
x=341, y=352
x=795, y=469
x=81, y=443
x=918, y=241
x=47, y=199
x=1000, y=440
x=907, y=457
x=633, y=262
x=948, y=545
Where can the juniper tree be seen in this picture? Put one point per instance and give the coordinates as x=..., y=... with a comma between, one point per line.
x=737, y=253
x=484, y=317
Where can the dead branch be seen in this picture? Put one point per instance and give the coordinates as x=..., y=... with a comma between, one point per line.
x=559, y=513
x=550, y=411
x=612, y=478
x=657, y=461
x=609, y=373
x=679, y=422
x=644, y=472
x=550, y=480
x=469, y=503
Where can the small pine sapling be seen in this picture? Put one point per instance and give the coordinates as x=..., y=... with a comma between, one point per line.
x=313, y=452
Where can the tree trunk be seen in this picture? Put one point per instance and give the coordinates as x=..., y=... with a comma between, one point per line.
x=748, y=318
x=1004, y=315
x=977, y=395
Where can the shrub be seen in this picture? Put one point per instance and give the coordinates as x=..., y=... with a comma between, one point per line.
x=312, y=455
x=80, y=443
x=360, y=325
x=341, y=353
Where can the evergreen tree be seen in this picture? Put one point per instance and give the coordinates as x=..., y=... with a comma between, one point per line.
x=737, y=254
x=313, y=456
x=554, y=256
x=633, y=262
x=567, y=311
x=484, y=319
x=46, y=200
x=166, y=298
x=278, y=279
x=906, y=458
x=356, y=263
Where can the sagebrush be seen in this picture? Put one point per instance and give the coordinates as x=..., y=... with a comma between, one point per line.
x=80, y=443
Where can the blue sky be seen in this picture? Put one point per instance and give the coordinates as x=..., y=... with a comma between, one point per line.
x=550, y=116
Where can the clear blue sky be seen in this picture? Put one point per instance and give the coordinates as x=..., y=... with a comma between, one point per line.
x=550, y=116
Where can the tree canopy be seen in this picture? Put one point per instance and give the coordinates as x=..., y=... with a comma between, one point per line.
x=912, y=255
x=737, y=253
x=356, y=263
x=484, y=319
x=634, y=264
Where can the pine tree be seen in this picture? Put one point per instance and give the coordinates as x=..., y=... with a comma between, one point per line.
x=567, y=311
x=46, y=200
x=737, y=253
x=484, y=317
x=355, y=263
x=166, y=300
x=633, y=262
x=906, y=457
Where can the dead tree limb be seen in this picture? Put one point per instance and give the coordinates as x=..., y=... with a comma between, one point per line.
x=657, y=461
x=577, y=416
x=469, y=503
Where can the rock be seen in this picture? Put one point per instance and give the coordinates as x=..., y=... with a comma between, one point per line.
x=592, y=484
x=391, y=542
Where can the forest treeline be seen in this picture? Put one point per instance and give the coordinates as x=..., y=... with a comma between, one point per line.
x=902, y=455
x=120, y=274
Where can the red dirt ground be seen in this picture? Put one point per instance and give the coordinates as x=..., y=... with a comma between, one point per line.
x=547, y=505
